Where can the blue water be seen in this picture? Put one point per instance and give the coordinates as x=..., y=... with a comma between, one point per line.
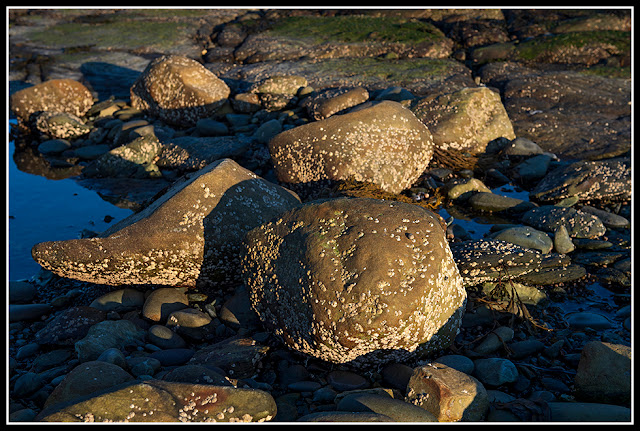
x=40, y=209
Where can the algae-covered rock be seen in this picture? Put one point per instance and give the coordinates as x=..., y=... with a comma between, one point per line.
x=65, y=95
x=358, y=281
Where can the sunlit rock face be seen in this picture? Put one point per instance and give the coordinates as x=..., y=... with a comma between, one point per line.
x=384, y=144
x=190, y=235
x=178, y=90
x=359, y=281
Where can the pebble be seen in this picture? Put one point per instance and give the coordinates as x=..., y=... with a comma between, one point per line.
x=346, y=381
x=495, y=372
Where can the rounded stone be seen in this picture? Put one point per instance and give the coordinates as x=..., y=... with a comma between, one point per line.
x=342, y=281
x=162, y=302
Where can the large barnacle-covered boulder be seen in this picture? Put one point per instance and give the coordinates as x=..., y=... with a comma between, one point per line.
x=191, y=235
x=178, y=90
x=384, y=144
x=359, y=281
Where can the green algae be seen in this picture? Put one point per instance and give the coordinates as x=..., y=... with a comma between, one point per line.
x=353, y=29
x=534, y=49
x=135, y=34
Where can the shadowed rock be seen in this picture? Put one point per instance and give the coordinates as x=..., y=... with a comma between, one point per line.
x=189, y=235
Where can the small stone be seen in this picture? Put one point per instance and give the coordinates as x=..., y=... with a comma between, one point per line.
x=495, y=371
x=346, y=381
x=562, y=241
x=162, y=302
x=54, y=146
x=397, y=410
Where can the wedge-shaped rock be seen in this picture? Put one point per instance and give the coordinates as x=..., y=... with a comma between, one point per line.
x=359, y=281
x=159, y=401
x=190, y=235
x=178, y=90
x=384, y=144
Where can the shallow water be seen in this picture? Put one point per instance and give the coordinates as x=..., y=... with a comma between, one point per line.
x=42, y=209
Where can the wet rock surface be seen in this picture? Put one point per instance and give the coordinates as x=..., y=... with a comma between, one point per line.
x=515, y=146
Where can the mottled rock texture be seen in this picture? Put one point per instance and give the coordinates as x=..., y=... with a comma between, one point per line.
x=359, y=281
x=190, y=235
x=385, y=144
x=66, y=95
x=178, y=90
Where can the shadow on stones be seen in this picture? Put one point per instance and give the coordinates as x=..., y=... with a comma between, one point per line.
x=108, y=79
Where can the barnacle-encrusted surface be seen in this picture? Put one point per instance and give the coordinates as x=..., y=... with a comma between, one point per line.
x=192, y=234
x=355, y=280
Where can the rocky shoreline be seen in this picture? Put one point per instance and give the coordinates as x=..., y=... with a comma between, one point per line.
x=305, y=244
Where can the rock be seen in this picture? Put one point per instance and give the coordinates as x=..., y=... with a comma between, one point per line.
x=190, y=235
x=333, y=101
x=91, y=152
x=491, y=202
x=525, y=236
x=105, y=335
x=495, y=371
x=172, y=357
x=463, y=189
x=457, y=362
x=450, y=395
x=522, y=147
x=384, y=144
x=267, y=131
x=120, y=300
x=162, y=302
x=525, y=348
x=70, y=325
x=85, y=379
x=609, y=219
x=467, y=119
x=606, y=179
x=178, y=90
x=547, y=276
x=346, y=381
x=487, y=260
x=344, y=417
x=60, y=125
x=21, y=292
x=579, y=224
x=191, y=153
x=54, y=146
x=21, y=312
x=562, y=241
x=64, y=95
x=27, y=384
x=588, y=412
x=279, y=84
x=160, y=401
x=397, y=375
x=210, y=127
x=354, y=280
x=165, y=338
x=532, y=169
x=395, y=93
x=237, y=311
x=585, y=319
x=196, y=374
x=135, y=159
x=236, y=356
x=397, y=410
x=604, y=373
x=190, y=322
x=496, y=339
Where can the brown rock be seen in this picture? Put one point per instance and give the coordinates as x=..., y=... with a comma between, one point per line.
x=63, y=95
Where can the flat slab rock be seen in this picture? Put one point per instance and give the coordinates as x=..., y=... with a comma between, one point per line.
x=191, y=234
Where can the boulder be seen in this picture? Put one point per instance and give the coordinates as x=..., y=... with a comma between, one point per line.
x=178, y=90
x=359, y=281
x=191, y=234
x=384, y=144
x=466, y=120
x=64, y=95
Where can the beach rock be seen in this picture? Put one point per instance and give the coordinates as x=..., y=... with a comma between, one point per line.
x=178, y=90
x=190, y=322
x=162, y=302
x=165, y=338
x=70, y=325
x=120, y=300
x=190, y=235
x=397, y=410
x=344, y=417
x=492, y=259
x=384, y=144
x=324, y=277
x=346, y=381
x=60, y=125
x=609, y=219
x=237, y=356
x=64, y=95
x=105, y=335
x=135, y=159
x=334, y=100
x=191, y=153
x=492, y=202
x=495, y=371
x=21, y=292
x=588, y=412
x=525, y=236
x=605, y=179
x=450, y=395
x=562, y=241
x=160, y=401
x=85, y=379
x=54, y=146
x=579, y=224
x=22, y=312
x=604, y=373
x=466, y=120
